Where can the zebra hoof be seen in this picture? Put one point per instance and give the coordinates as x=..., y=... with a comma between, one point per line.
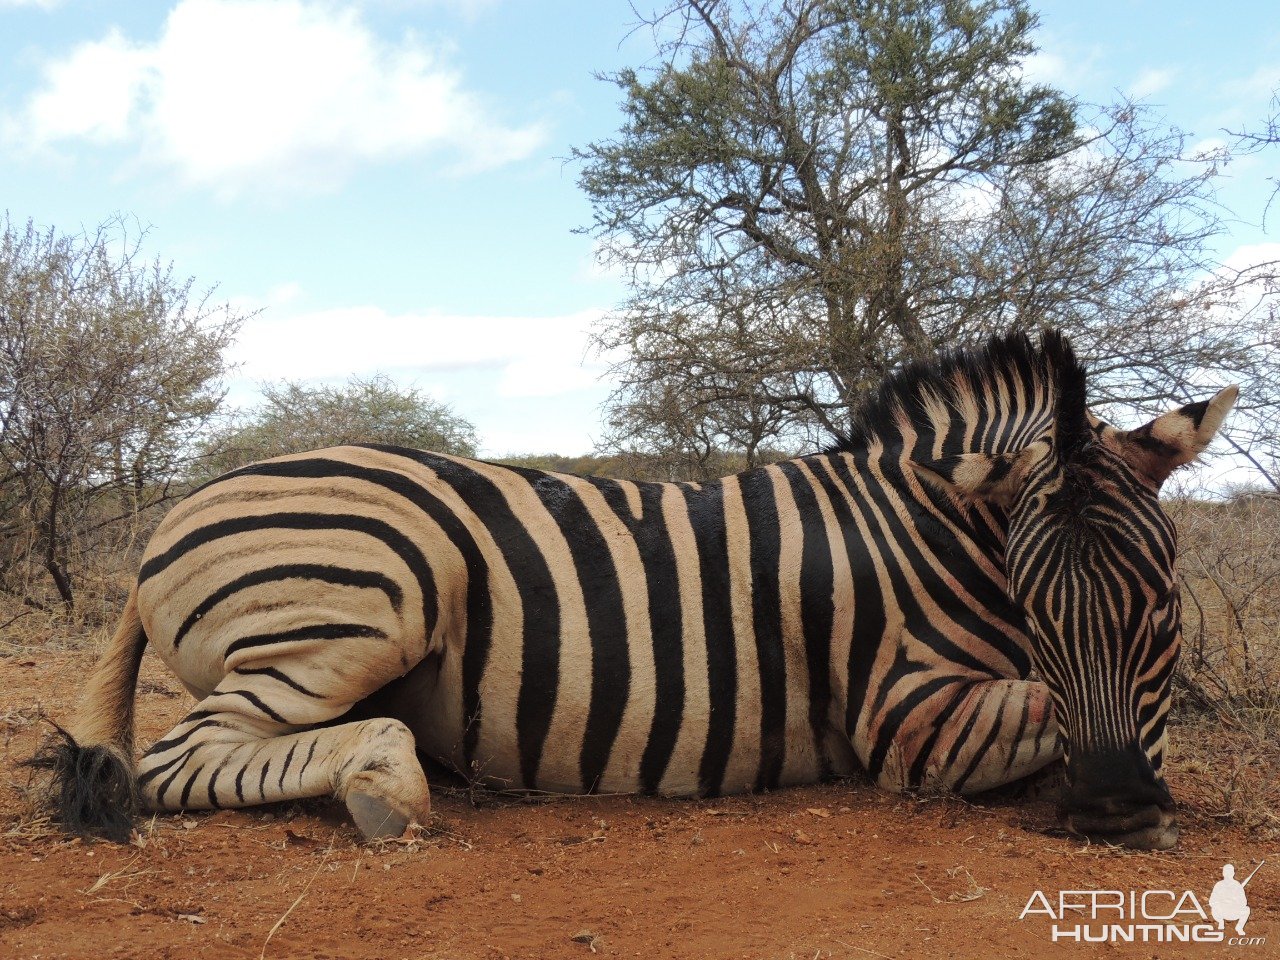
x=374, y=817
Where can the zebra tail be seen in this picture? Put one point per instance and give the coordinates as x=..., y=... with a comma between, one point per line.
x=92, y=790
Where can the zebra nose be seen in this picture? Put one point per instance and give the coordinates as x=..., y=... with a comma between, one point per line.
x=1114, y=782
x=1115, y=796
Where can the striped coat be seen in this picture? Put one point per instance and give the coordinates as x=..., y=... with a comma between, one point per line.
x=846, y=610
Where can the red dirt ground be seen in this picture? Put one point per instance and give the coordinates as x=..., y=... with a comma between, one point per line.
x=837, y=871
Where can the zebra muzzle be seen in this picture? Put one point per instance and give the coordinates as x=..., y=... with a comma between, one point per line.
x=1115, y=797
x=1150, y=828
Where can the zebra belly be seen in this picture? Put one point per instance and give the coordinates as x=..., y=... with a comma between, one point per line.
x=428, y=700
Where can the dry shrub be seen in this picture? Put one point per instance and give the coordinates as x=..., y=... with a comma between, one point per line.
x=105, y=557
x=1225, y=758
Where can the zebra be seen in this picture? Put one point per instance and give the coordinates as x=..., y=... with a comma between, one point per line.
x=973, y=583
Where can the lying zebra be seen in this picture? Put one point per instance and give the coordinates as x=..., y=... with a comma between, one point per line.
x=883, y=605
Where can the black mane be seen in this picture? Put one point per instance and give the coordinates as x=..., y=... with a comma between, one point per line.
x=1050, y=364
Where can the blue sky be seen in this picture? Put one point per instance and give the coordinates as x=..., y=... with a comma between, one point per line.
x=386, y=180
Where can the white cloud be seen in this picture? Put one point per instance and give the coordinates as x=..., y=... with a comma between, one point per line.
x=281, y=94
x=1207, y=148
x=1045, y=67
x=1249, y=255
x=530, y=356
x=91, y=94
x=1062, y=65
x=527, y=383
x=1150, y=82
x=1262, y=83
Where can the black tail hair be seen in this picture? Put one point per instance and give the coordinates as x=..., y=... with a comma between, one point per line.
x=91, y=791
x=91, y=788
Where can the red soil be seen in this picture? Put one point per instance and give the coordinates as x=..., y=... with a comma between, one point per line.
x=837, y=871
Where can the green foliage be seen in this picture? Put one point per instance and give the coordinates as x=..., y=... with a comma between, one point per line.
x=295, y=417
x=804, y=196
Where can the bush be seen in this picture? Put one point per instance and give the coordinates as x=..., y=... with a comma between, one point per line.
x=109, y=368
x=295, y=418
x=1227, y=689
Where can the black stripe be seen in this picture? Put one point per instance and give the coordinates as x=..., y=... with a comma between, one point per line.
x=213, y=783
x=761, y=511
x=817, y=584
x=1023, y=720
x=339, y=576
x=262, y=780
x=160, y=746
x=916, y=694
x=319, y=631
x=606, y=622
x=1000, y=468
x=869, y=618
x=240, y=782
x=280, y=675
x=706, y=515
x=479, y=601
x=168, y=782
x=311, y=752
x=1011, y=417
x=186, y=787
x=540, y=657
x=254, y=699
x=958, y=740
x=983, y=747
x=912, y=544
x=666, y=622
x=155, y=771
x=401, y=545
x=288, y=759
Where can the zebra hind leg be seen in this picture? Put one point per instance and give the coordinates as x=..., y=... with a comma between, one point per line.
x=992, y=733
x=254, y=740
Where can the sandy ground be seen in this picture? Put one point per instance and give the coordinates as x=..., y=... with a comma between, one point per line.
x=837, y=871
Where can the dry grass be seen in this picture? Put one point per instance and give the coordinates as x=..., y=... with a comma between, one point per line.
x=102, y=562
x=1225, y=757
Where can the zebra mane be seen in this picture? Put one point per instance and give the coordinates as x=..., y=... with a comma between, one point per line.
x=1047, y=369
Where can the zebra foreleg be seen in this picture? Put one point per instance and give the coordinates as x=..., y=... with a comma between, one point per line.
x=993, y=733
x=239, y=749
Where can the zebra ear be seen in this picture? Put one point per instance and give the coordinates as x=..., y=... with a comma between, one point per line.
x=1155, y=450
x=992, y=477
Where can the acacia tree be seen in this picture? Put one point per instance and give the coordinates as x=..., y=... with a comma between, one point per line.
x=109, y=369
x=296, y=417
x=708, y=397
x=1262, y=138
x=1256, y=431
x=804, y=195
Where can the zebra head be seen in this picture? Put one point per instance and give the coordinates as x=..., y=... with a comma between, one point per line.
x=1090, y=563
